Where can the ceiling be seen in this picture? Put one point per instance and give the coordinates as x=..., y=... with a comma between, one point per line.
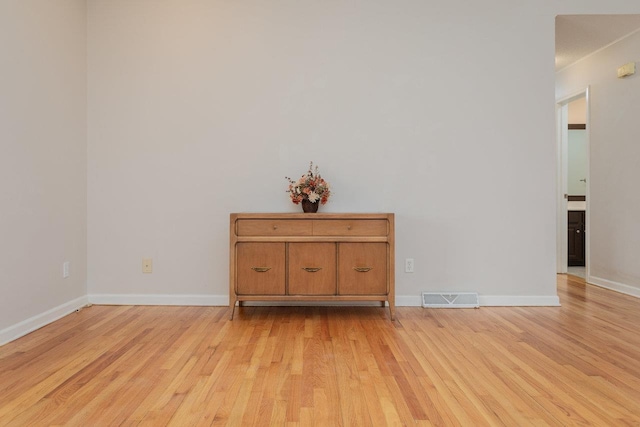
x=579, y=35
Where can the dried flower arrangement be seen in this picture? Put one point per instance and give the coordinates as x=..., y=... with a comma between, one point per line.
x=310, y=186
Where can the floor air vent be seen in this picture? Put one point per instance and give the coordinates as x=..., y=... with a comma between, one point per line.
x=450, y=300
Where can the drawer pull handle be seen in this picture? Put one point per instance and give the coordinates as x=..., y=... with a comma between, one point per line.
x=261, y=269
x=275, y=227
x=362, y=269
x=312, y=269
x=348, y=227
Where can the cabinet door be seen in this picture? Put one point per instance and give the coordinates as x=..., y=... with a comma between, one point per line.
x=362, y=268
x=260, y=268
x=312, y=268
x=576, y=238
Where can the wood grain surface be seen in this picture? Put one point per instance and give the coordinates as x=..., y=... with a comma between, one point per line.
x=578, y=364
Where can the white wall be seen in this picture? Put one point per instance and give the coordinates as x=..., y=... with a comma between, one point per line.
x=614, y=163
x=198, y=109
x=42, y=161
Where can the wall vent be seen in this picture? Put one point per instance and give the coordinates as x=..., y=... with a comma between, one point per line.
x=450, y=300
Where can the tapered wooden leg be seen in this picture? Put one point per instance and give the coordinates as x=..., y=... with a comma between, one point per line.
x=233, y=309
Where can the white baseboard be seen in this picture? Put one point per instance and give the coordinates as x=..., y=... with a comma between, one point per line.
x=408, y=301
x=492, y=301
x=519, y=301
x=36, y=322
x=614, y=286
x=140, y=299
x=223, y=300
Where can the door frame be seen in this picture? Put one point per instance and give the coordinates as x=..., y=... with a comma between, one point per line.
x=562, y=145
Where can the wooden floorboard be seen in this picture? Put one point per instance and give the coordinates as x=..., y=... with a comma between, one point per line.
x=578, y=364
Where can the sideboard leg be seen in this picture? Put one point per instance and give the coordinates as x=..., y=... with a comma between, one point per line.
x=392, y=311
x=233, y=309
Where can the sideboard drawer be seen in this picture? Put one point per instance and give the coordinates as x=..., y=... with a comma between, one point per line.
x=273, y=227
x=354, y=227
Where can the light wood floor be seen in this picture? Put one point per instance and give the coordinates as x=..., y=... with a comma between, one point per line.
x=326, y=366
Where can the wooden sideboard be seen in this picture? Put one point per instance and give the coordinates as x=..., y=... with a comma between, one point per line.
x=311, y=257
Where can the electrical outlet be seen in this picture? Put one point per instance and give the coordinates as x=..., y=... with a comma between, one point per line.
x=408, y=265
x=65, y=269
x=147, y=265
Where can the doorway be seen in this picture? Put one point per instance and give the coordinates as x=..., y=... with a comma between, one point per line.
x=573, y=184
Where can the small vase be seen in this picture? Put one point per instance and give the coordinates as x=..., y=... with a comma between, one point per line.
x=309, y=207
